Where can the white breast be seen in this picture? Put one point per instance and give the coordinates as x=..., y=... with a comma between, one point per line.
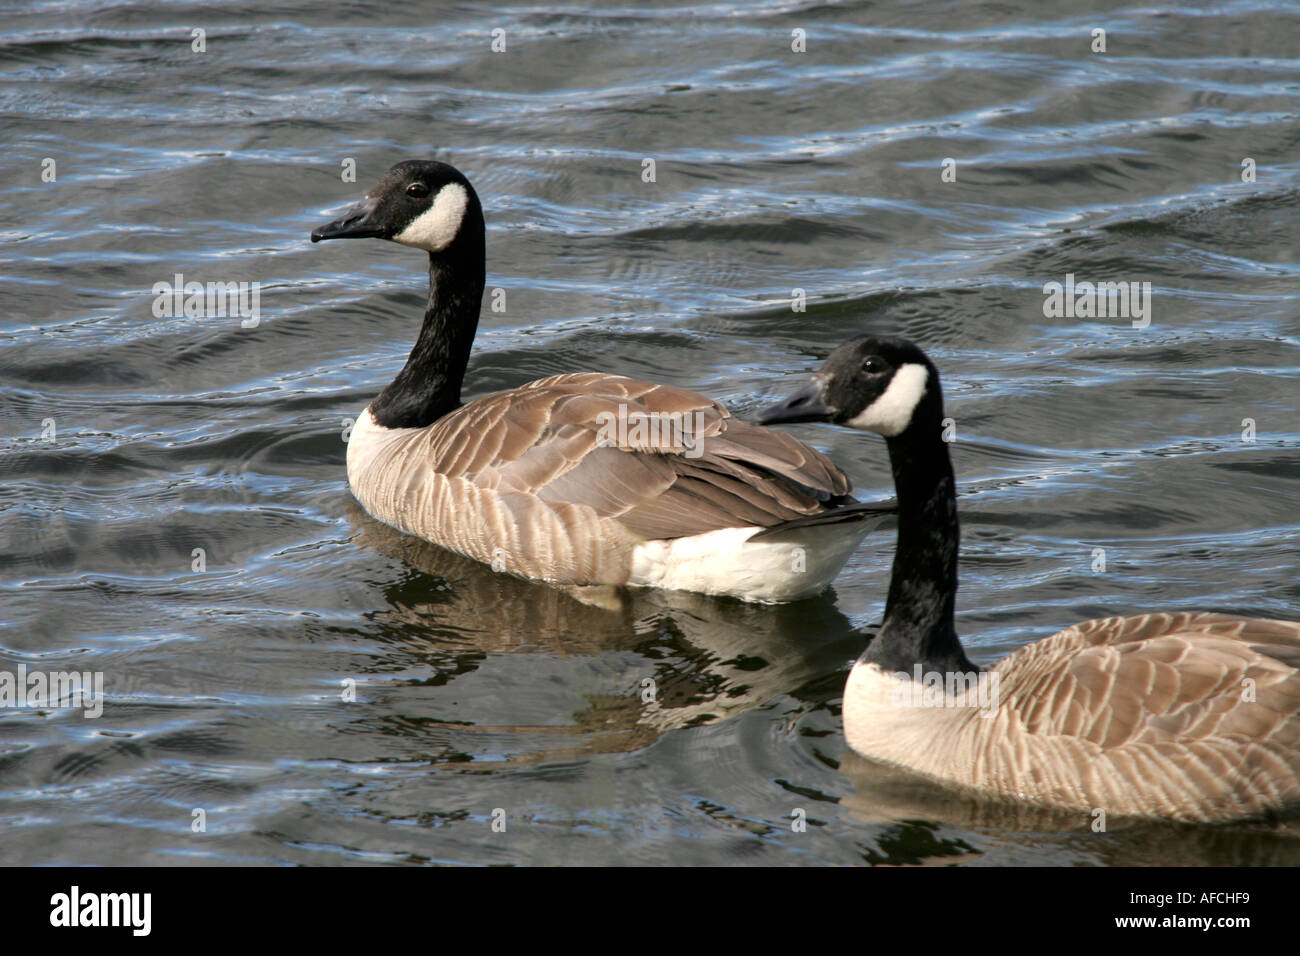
x=367, y=443
x=894, y=719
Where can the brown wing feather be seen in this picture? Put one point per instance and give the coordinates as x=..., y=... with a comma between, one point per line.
x=544, y=439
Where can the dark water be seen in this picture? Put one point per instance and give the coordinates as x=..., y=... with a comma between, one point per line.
x=774, y=171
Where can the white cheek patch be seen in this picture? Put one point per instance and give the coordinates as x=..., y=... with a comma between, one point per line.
x=434, y=229
x=891, y=413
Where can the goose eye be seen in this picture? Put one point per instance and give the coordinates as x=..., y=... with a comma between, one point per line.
x=417, y=190
x=873, y=365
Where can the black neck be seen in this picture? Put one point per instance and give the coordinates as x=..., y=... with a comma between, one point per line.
x=918, y=627
x=428, y=386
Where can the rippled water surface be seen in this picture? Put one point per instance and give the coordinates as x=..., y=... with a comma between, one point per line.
x=131, y=440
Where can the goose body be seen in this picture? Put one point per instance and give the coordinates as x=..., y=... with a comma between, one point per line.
x=585, y=478
x=1191, y=716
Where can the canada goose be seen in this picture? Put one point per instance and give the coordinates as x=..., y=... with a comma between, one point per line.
x=579, y=479
x=1185, y=716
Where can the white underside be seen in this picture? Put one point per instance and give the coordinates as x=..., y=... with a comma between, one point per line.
x=798, y=565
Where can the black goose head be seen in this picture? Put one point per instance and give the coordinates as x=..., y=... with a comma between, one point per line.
x=420, y=203
x=882, y=384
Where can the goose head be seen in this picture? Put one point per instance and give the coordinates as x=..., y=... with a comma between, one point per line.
x=420, y=203
x=882, y=384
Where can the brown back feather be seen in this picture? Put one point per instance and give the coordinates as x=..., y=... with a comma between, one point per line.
x=544, y=438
